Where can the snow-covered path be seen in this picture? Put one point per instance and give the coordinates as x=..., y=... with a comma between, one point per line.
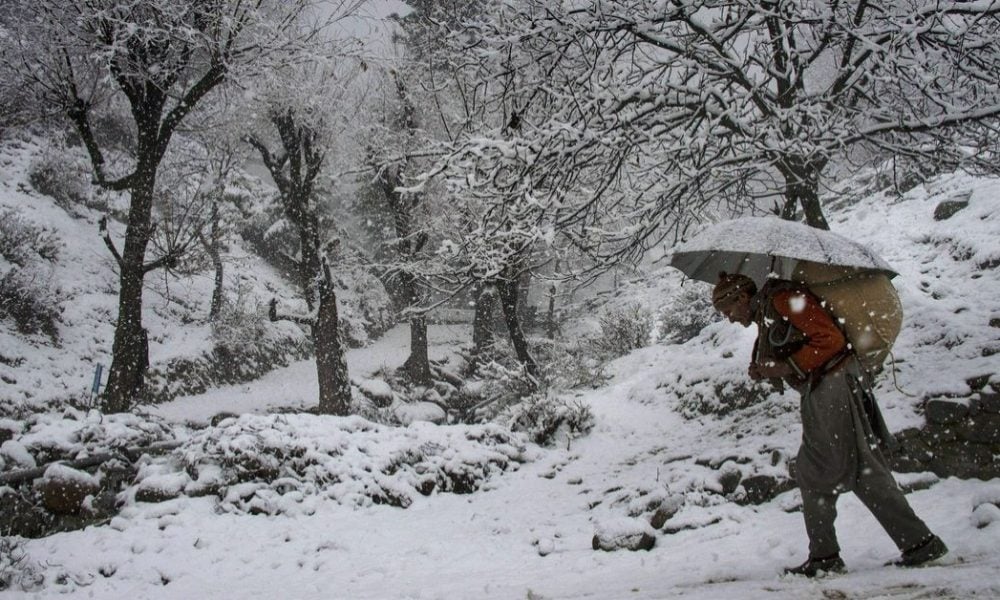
x=527, y=534
x=295, y=386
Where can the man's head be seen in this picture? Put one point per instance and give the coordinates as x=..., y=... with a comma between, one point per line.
x=731, y=297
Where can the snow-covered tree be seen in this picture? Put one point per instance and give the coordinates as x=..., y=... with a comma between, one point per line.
x=655, y=111
x=390, y=167
x=302, y=113
x=155, y=60
x=490, y=225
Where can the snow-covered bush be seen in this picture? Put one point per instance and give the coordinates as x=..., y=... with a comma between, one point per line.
x=65, y=179
x=271, y=236
x=241, y=321
x=27, y=293
x=571, y=364
x=497, y=386
x=226, y=364
x=31, y=299
x=684, y=315
x=365, y=310
x=548, y=420
x=624, y=329
x=22, y=241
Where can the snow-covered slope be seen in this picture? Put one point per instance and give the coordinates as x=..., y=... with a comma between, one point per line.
x=528, y=533
x=81, y=284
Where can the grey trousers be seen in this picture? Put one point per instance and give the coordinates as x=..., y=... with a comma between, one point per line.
x=840, y=452
x=878, y=491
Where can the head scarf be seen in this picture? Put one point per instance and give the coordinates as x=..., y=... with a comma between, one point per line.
x=729, y=286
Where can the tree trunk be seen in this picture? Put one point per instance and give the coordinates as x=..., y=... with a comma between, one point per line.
x=508, y=292
x=482, y=322
x=296, y=188
x=331, y=366
x=217, y=290
x=550, y=319
x=130, y=351
x=212, y=247
x=418, y=365
x=523, y=307
x=802, y=189
x=309, y=263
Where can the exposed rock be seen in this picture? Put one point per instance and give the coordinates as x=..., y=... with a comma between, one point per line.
x=8, y=429
x=913, y=451
x=729, y=478
x=115, y=474
x=945, y=410
x=979, y=382
x=937, y=433
x=758, y=489
x=949, y=455
x=948, y=208
x=989, y=402
x=640, y=541
x=667, y=509
x=155, y=494
x=162, y=487
x=981, y=429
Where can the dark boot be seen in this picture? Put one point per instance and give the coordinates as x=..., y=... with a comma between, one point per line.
x=930, y=549
x=818, y=566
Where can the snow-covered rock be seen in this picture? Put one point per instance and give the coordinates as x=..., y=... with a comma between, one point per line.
x=624, y=533
x=14, y=452
x=64, y=489
x=411, y=412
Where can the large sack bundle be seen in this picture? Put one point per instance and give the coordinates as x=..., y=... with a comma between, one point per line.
x=865, y=303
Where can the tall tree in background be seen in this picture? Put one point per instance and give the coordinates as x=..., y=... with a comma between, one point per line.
x=303, y=110
x=158, y=59
x=410, y=237
x=492, y=235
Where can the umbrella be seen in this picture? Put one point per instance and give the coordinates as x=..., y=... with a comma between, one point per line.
x=762, y=247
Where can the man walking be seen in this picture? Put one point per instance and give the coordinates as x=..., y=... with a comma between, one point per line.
x=799, y=343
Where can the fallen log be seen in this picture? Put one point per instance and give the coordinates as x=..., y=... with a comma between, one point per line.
x=131, y=454
x=446, y=376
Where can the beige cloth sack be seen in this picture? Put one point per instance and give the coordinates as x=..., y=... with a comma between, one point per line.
x=865, y=303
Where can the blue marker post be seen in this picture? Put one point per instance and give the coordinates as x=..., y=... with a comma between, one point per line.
x=95, y=388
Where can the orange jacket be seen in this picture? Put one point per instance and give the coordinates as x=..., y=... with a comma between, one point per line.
x=804, y=312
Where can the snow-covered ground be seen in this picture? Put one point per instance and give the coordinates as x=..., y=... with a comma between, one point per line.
x=527, y=531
